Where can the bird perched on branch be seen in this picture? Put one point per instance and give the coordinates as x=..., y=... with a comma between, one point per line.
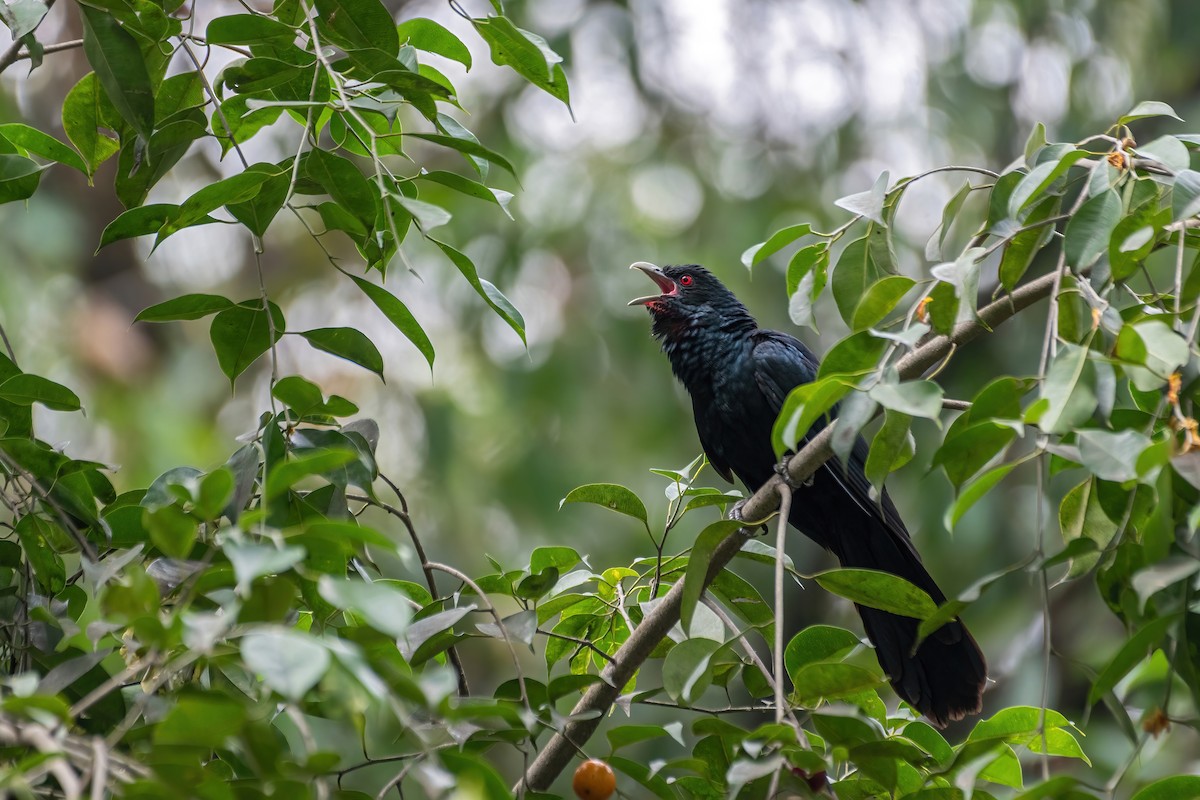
x=738, y=376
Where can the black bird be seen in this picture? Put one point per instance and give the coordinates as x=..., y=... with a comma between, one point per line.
x=738, y=376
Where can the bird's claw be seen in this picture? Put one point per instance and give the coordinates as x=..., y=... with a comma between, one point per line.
x=781, y=469
x=735, y=513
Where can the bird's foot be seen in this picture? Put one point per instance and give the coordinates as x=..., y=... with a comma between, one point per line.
x=735, y=513
x=781, y=469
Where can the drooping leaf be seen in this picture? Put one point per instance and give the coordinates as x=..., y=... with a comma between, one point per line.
x=493, y=296
x=876, y=589
x=25, y=389
x=120, y=68
x=527, y=53
x=348, y=343
x=1148, y=108
x=188, y=306
x=425, y=34
x=776, y=242
x=867, y=204
x=398, y=314
x=698, y=562
x=1088, y=231
x=289, y=662
x=610, y=495
x=242, y=333
x=42, y=144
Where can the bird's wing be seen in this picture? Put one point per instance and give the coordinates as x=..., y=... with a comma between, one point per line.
x=713, y=453
x=782, y=363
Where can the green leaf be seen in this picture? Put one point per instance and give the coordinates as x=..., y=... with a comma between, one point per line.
x=1148, y=108
x=527, y=54
x=1068, y=392
x=687, y=669
x=891, y=447
x=317, y=461
x=41, y=144
x=19, y=178
x=830, y=681
x=48, y=568
x=251, y=561
x=969, y=447
x=425, y=34
x=249, y=29
x=1080, y=515
x=1024, y=246
x=1175, y=787
x=288, y=661
x=470, y=188
x=1088, y=231
x=214, y=494
x=352, y=24
x=23, y=16
x=803, y=406
x=937, y=241
x=1112, y=455
x=468, y=147
x=915, y=398
x=140, y=221
x=625, y=735
x=385, y=608
x=348, y=343
x=857, y=354
x=879, y=300
x=81, y=117
x=342, y=181
x=806, y=276
x=561, y=558
x=1168, y=151
x=777, y=241
x=963, y=275
x=188, y=306
x=1136, y=648
x=1185, y=196
x=238, y=188
x=120, y=68
x=25, y=389
x=171, y=529
x=877, y=589
x=398, y=314
x=258, y=209
x=196, y=720
x=610, y=495
x=857, y=268
x=427, y=215
x=867, y=204
x=499, y=303
x=1039, y=180
x=814, y=644
x=242, y=333
x=697, y=566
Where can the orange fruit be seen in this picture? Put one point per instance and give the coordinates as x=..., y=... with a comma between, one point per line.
x=594, y=780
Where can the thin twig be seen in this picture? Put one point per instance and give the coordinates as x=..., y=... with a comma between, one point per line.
x=785, y=508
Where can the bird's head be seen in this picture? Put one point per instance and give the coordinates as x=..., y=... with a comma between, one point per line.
x=689, y=296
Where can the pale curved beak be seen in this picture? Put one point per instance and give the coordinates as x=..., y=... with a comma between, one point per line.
x=666, y=285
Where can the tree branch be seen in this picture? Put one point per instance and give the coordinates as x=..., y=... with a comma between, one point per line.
x=557, y=753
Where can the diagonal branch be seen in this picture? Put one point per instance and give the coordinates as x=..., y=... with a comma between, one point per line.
x=557, y=753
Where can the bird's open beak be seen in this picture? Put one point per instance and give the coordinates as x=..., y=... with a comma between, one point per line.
x=665, y=284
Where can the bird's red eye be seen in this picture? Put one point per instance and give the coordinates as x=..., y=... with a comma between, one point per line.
x=686, y=280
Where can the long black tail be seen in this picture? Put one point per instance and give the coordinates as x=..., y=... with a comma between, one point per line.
x=944, y=679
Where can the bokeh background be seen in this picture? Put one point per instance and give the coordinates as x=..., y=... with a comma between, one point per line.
x=699, y=127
